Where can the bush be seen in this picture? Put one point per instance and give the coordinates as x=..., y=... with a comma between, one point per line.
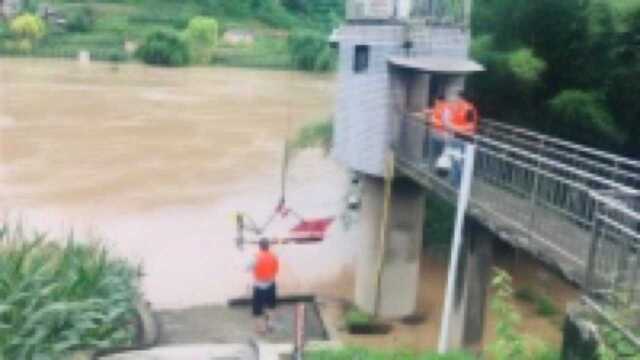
x=319, y=133
x=310, y=50
x=356, y=317
x=202, y=37
x=274, y=14
x=545, y=306
x=82, y=19
x=585, y=113
x=438, y=224
x=59, y=298
x=164, y=48
x=27, y=28
x=525, y=66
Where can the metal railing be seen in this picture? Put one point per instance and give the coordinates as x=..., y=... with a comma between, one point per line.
x=622, y=170
x=434, y=12
x=613, y=271
x=540, y=185
x=576, y=207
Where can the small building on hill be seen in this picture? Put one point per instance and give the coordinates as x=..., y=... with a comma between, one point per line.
x=9, y=8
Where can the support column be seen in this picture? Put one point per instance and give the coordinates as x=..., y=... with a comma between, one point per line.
x=401, y=264
x=470, y=295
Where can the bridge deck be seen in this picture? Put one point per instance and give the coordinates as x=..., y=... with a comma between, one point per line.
x=573, y=207
x=508, y=215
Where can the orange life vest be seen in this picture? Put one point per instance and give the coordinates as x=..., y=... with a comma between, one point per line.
x=463, y=116
x=266, y=267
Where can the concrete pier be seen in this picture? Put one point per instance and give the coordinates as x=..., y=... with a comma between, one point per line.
x=396, y=295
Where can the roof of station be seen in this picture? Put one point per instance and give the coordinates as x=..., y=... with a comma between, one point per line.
x=437, y=64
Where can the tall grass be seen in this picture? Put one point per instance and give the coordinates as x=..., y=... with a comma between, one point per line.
x=315, y=134
x=55, y=299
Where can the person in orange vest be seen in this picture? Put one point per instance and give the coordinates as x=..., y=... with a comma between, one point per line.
x=265, y=268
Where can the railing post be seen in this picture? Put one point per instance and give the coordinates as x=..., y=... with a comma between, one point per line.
x=536, y=182
x=595, y=240
x=299, y=331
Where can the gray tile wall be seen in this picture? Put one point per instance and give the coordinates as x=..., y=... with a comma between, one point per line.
x=363, y=124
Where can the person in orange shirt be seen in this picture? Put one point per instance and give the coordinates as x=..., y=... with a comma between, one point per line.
x=265, y=270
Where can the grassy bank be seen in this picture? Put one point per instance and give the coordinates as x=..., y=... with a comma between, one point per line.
x=103, y=26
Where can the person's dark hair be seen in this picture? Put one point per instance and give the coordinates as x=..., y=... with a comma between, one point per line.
x=264, y=244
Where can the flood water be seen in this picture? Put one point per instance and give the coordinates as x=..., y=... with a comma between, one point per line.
x=155, y=161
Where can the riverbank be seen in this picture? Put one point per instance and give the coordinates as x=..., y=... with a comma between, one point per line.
x=527, y=273
x=248, y=35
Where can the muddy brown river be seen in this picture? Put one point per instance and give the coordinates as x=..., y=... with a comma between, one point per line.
x=155, y=161
x=142, y=137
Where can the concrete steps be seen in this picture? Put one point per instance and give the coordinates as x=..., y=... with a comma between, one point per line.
x=256, y=351
x=190, y=352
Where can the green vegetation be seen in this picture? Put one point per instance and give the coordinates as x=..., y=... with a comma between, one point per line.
x=318, y=133
x=56, y=298
x=27, y=29
x=81, y=19
x=202, y=37
x=568, y=68
x=266, y=52
x=310, y=51
x=438, y=223
x=544, y=305
x=103, y=26
x=357, y=317
x=164, y=48
x=510, y=343
x=615, y=345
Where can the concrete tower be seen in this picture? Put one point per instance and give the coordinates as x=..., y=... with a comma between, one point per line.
x=395, y=58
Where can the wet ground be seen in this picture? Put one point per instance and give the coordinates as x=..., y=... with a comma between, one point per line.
x=233, y=325
x=527, y=273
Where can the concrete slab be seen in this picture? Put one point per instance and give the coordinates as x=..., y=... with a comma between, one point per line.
x=190, y=352
x=216, y=324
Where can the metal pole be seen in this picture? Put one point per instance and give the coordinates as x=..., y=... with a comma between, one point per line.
x=299, y=326
x=595, y=239
x=535, y=189
x=463, y=201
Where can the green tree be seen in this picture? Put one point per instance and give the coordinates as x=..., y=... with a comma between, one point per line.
x=27, y=29
x=165, y=48
x=586, y=112
x=81, y=20
x=310, y=50
x=202, y=36
x=525, y=66
x=549, y=62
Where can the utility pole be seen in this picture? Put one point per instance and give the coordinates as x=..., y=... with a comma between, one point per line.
x=444, y=344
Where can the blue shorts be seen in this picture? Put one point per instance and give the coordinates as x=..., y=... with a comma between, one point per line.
x=263, y=298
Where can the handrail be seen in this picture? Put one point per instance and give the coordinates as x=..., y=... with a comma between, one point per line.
x=417, y=117
x=581, y=220
x=559, y=152
x=553, y=163
x=568, y=144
